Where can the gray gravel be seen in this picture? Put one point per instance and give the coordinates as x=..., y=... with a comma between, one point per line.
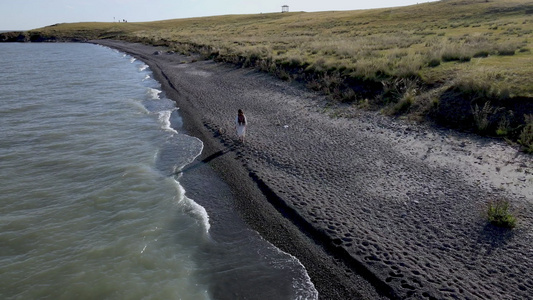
x=371, y=206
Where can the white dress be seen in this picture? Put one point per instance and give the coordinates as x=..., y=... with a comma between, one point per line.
x=241, y=128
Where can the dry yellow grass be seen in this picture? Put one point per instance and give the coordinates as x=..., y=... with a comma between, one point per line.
x=396, y=41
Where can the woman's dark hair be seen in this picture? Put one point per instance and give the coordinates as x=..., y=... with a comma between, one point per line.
x=240, y=117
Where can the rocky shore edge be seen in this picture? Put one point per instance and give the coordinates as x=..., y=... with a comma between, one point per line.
x=25, y=37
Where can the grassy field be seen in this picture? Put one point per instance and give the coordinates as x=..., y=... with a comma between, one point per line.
x=466, y=64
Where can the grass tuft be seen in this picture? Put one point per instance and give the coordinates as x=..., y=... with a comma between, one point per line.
x=499, y=214
x=504, y=126
x=526, y=136
x=481, y=116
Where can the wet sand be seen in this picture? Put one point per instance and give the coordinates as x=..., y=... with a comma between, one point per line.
x=372, y=207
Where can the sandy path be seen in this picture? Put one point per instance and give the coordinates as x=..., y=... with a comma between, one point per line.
x=396, y=204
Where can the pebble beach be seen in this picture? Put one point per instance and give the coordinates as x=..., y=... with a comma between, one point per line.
x=374, y=208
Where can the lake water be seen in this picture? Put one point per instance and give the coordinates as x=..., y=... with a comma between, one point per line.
x=90, y=208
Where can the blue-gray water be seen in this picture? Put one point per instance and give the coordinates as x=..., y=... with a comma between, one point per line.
x=89, y=206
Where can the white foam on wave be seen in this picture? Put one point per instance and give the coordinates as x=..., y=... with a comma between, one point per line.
x=189, y=205
x=132, y=59
x=143, y=67
x=304, y=287
x=153, y=93
x=111, y=49
x=164, y=118
x=193, y=208
x=193, y=157
x=302, y=284
x=147, y=77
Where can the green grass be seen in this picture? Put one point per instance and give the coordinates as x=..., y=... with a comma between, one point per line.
x=475, y=49
x=499, y=214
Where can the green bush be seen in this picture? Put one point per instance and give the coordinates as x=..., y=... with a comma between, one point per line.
x=498, y=214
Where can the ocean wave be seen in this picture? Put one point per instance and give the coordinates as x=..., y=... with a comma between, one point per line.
x=193, y=208
x=143, y=67
x=153, y=93
x=164, y=119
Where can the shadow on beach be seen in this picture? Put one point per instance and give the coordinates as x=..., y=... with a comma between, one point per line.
x=206, y=160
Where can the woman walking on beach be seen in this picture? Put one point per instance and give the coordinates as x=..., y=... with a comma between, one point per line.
x=240, y=125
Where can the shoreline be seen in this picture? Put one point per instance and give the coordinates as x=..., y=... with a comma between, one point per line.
x=373, y=209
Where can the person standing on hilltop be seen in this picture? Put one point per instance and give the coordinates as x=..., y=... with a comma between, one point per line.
x=240, y=125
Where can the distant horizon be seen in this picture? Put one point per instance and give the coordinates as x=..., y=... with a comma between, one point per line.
x=32, y=14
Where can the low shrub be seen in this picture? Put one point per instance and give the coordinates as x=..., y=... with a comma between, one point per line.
x=482, y=53
x=434, y=62
x=504, y=126
x=481, y=116
x=400, y=94
x=506, y=52
x=348, y=95
x=284, y=75
x=402, y=106
x=526, y=136
x=456, y=56
x=499, y=214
